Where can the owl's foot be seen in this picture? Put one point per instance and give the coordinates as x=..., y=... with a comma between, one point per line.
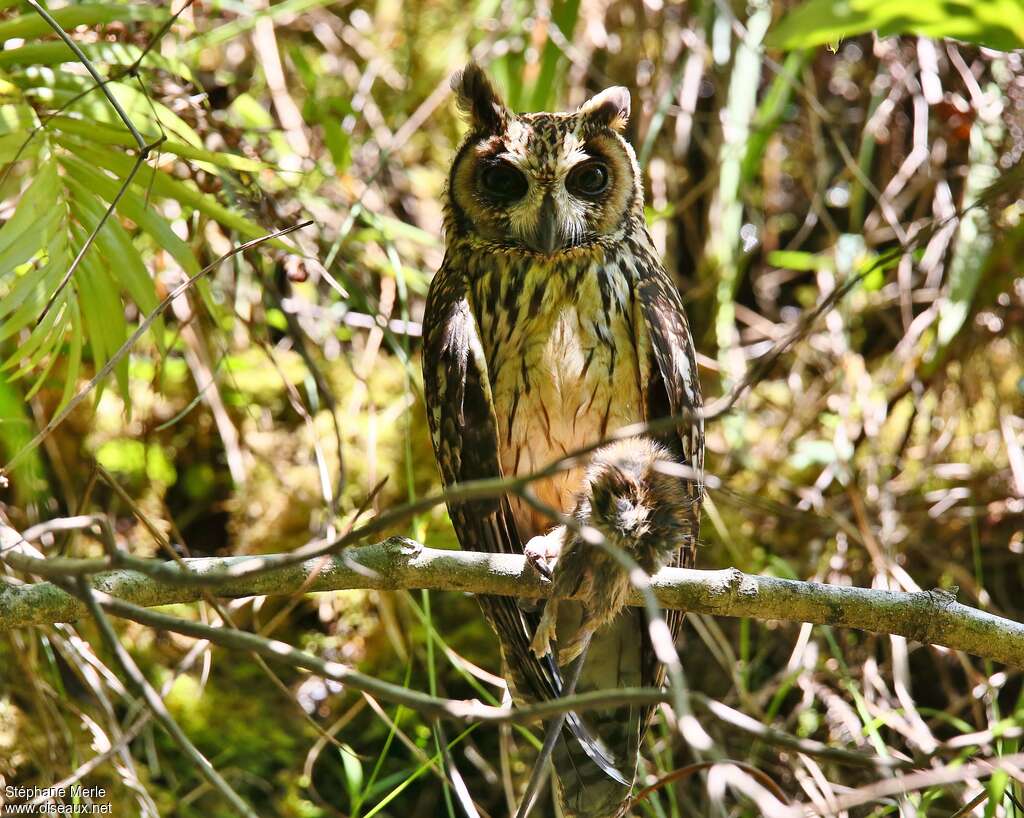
x=543, y=549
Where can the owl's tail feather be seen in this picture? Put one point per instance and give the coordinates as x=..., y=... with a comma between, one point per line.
x=584, y=790
x=590, y=746
x=594, y=749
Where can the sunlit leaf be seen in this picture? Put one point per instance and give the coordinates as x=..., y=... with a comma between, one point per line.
x=85, y=14
x=118, y=135
x=134, y=207
x=21, y=236
x=74, y=358
x=164, y=185
x=994, y=23
x=121, y=260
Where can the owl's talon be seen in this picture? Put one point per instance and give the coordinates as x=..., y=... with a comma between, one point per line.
x=539, y=564
x=542, y=549
x=575, y=647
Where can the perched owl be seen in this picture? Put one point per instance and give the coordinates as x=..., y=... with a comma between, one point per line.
x=634, y=500
x=551, y=324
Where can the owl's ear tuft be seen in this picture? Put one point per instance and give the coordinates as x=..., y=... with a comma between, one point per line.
x=478, y=99
x=610, y=108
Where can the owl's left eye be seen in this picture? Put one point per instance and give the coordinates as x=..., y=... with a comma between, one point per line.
x=503, y=181
x=589, y=179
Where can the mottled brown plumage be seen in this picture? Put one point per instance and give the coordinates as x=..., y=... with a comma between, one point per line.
x=551, y=324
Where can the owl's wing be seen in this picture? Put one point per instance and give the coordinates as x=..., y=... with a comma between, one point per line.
x=672, y=388
x=463, y=426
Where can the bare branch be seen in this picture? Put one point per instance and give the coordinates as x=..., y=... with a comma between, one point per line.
x=930, y=617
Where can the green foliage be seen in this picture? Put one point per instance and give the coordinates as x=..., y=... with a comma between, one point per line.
x=74, y=167
x=993, y=23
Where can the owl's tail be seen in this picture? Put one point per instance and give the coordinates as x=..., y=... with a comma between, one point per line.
x=569, y=742
x=587, y=788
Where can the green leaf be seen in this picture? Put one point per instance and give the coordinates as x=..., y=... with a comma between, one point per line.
x=39, y=341
x=564, y=14
x=28, y=285
x=116, y=55
x=24, y=233
x=74, y=356
x=83, y=106
x=353, y=775
x=51, y=53
x=799, y=260
x=28, y=297
x=108, y=312
x=86, y=14
x=165, y=185
x=973, y=242
x=104, y=319
x=250, y=113
x=17, y=120
x=37, y=385
x=112, y=135
x=26, y=245
x=997, y=785
x=16, y=429
x=134, y=207
x=122, y=261
x=994, y=23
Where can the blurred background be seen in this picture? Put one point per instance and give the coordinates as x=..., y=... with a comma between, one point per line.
x=788, y=150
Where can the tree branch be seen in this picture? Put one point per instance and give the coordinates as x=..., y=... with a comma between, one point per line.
x=931, y=617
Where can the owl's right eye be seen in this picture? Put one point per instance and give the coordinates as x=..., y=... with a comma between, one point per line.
x=503, y=181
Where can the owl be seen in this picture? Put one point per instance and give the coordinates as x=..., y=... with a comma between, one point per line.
x=550, y=325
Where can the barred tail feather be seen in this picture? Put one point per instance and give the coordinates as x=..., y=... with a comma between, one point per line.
x=585, y=790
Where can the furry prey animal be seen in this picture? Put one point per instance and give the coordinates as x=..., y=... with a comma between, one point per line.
x=632, y=501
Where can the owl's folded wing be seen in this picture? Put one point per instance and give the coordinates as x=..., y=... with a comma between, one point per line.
x=673, y=388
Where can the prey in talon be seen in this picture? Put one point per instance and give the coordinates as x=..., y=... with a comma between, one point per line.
x=636, y=506
x=541, y=551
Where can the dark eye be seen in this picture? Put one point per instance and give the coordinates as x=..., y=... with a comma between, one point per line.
x=502, y=181
x=588, y=179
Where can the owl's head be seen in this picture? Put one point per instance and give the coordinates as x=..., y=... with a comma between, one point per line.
x=546, y=182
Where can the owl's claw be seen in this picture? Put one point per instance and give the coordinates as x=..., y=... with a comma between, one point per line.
x=539, y=564
x=542, y=549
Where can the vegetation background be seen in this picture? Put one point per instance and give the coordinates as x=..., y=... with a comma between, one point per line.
x=788, y=149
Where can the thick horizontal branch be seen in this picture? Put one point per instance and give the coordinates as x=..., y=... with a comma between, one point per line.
x=931, y=617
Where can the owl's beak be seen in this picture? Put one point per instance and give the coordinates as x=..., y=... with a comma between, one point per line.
x=549, y=235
